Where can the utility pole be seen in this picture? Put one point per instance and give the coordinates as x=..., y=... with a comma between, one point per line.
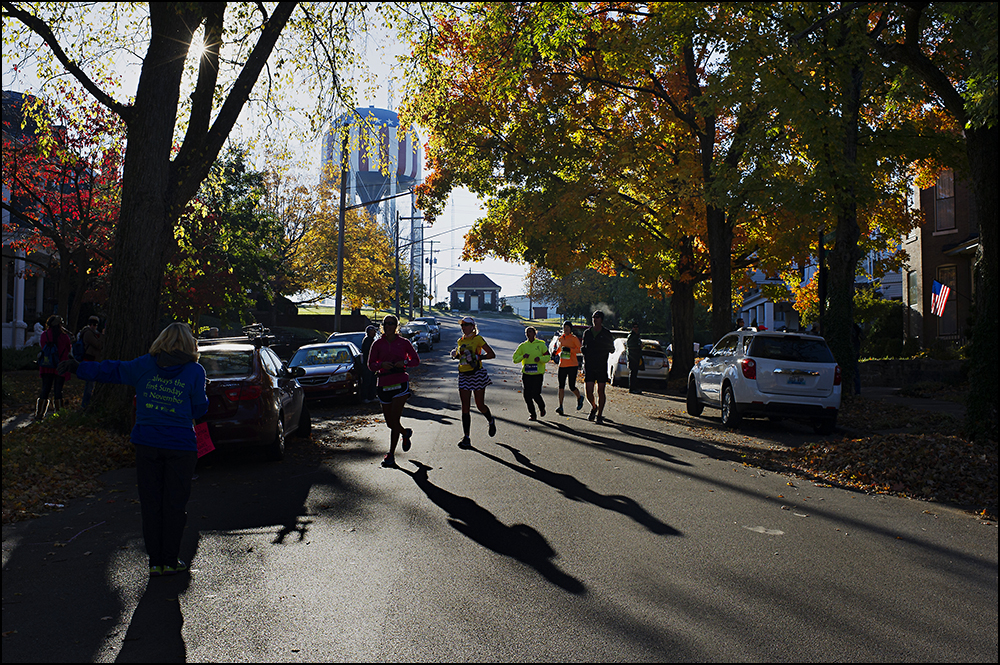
x=430, y=262
x=397, y=265
x=344, y=165
x=412, y=270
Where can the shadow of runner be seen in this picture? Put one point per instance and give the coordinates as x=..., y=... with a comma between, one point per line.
x=155, y=631
x=573, y=489
x=518, y=541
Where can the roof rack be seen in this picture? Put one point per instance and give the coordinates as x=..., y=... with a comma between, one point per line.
x=254, y=333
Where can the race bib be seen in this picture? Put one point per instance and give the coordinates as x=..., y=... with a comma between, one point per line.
x=531, y=368
x=565, y=353
x=395, y=386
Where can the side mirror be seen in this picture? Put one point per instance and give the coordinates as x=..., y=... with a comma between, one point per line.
x=295, y=372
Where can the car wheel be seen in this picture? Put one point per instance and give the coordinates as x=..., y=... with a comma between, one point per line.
x=694, y=405
x=730, y=413
x=276, y=450
x=305, y=422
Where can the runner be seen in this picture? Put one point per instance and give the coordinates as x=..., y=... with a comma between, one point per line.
x=473, y=378
x=597, y=346
x=565, y=354
x=532, y=355
x=389, y=357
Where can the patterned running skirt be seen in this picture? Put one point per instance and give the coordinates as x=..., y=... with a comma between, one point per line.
x=477, y=380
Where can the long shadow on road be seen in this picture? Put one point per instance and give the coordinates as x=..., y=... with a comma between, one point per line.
x=518, y=541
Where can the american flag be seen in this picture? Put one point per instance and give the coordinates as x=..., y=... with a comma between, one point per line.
x=939, y=297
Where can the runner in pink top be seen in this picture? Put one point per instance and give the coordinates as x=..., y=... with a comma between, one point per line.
x=389, y=357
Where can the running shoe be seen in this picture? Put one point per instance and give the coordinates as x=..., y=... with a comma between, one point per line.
x=600, y=420
x=465, y=443
x=541, y=411
x=559, y=411
x=155, y=571
x=407, y=433
x=181, y=567
x=493, y=426
x=532, y=417
x=593, y=414
x=388, y=461
x=579, y=402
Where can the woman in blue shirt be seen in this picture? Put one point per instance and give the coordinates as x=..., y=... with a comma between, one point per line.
x=170, y=394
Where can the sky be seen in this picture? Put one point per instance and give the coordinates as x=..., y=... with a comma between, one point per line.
x=463, y=207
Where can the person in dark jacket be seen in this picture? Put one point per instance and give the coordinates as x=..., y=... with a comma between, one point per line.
x=170, y=394
x=634, y=345
x=94, y=344
x=52, y=378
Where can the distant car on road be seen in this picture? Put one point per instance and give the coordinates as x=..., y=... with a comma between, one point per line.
x=254, y=399
x=654, y=358
x=433, y=325
x=765, y=373
x=329, y=369
x=419, y=334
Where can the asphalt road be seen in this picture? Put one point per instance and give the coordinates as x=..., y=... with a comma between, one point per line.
x=560, y=540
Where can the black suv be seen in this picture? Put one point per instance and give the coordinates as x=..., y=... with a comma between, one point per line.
x=254, y=399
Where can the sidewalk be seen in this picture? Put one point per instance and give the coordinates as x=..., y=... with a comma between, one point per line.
x=892, y=396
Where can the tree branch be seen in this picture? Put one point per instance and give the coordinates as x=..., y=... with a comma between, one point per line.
x=40, y=28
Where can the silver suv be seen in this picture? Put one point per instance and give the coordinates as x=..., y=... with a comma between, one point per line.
x=772, y=374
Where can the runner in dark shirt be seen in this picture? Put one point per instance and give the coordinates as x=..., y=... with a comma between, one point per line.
x=598, y=344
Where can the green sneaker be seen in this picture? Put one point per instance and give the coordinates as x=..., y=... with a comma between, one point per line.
x=155, y=571
x=181, y=567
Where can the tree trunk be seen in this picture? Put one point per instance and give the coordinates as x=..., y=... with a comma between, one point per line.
x=682, y=315
x=981, y=404
x=145, y=228
x=720, y=247
x=839, y=319
x=682, y=337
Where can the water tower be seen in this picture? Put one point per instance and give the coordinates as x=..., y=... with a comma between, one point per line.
x=383, y=159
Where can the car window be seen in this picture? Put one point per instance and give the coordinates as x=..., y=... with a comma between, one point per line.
x=747, y=342
x=726, y=347
x=797, y=349
x=269, y=361
x=220, y=364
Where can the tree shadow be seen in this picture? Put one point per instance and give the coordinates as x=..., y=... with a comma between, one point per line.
x=575, y=490
x=517, y=541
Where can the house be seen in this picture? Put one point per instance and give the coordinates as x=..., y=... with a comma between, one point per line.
x=942, y=249
x=474, y=293
x=531, y=308
x=27, y=295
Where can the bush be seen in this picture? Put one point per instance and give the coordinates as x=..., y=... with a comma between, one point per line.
x=911, y=347
x=15, y=359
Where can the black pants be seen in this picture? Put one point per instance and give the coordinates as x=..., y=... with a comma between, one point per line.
x=164, y=479
x=533, y=391
x=52, y=383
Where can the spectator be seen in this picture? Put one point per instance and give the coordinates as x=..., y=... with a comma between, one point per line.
x=170, y=395
x=52, y=378
x=94, y=343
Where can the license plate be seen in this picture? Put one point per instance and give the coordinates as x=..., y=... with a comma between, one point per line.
x=796, y=380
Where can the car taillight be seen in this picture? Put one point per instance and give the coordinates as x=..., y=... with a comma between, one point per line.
x=836, y=376
x=244, y=393
x=749, y=368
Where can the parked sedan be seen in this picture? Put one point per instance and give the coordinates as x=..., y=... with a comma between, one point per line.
x=656, y=366
x=764, y=373
x=253, y=399
x=419, y=334
x=329, y=370
x=355, y=338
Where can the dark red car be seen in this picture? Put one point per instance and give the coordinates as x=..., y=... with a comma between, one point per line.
x=254, y=399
